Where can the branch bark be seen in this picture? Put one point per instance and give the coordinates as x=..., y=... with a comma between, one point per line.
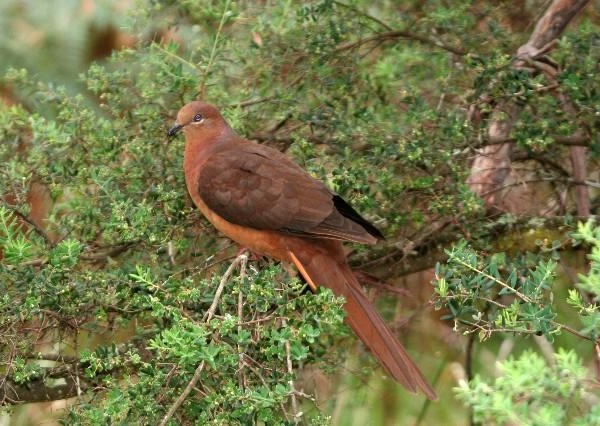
x=66, y=386
x=578, y=162
x=492, y=163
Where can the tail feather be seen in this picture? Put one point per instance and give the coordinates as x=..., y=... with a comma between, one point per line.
x=322, y=269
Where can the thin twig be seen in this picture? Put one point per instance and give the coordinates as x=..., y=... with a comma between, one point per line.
x=183, y=395
x=39, y=230
x=241, y=259
x=520, y=295
x=268, y=98
x=568, y=181
x=214, y=49
x=213, y=307
x=260, y=377
x=252, y=102
x=469, y=357
x=290, y=369
x=574, y=332
x=240, y=312
x=174, y=56
x=34, y=262
x=365, y=14
x=390, y=35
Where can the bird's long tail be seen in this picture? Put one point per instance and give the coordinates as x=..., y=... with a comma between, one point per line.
x=321, y=269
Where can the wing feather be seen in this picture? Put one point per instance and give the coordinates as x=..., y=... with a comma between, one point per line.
x=259, y=187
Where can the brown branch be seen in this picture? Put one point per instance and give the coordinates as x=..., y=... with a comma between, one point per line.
x=391, y=35
x=241, y=259
x=576, y=139
x=240, y=321
x=43, y=390
x=183, y=395
x=251, y=102
x=411, y=246
x=366, y=15
x=29, y=222
x=213, y=306
x=544, y=161
x=597, y=360
x=430, y=250
x=469, y=367
x=574, y=332
x=578, y=161
x=101, y=253
x=295, y=412
x=493, y=163
x=550, y=26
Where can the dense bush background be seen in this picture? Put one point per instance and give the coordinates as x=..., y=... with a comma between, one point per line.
x=108, y=273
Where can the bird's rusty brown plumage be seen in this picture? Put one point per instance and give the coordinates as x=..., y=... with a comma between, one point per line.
x=259, y=198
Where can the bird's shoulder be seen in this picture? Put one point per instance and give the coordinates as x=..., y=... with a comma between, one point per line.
x=245, y=156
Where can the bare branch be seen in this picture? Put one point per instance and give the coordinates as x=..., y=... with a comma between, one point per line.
x=366, y=15
x=288, y=356
x=391, y=35
x=43, y=389
x=213, y=307
x=183, y=395
x=241, y=259
x=578, y=162
x=493, y=163
x=240, y=312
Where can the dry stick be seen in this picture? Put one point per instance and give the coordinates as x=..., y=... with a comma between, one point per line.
x=213, y=307
x=183, y=395
x=240, y=312
x=263, y=381
x=501, y=283
x=207, y=317
x=365, y=14
x=493, y=163
x=390, y=35
x=469, y=369
x=538, y=180
x=288, y=355
x=214, y=49
x=576, y=139
x=25, y=218
x=597, y=350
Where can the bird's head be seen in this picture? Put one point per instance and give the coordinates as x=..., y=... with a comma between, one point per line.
x=196, y=118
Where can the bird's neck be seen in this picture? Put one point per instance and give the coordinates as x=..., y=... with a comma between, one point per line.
x=199, y=147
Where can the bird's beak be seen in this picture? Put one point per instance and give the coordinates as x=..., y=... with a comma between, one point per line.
x=174, y=130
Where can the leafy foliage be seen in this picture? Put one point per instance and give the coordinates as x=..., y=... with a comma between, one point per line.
x=531, y=392
x=479, y=296
x=528, y=390
x=107, y=271
x=589, y=283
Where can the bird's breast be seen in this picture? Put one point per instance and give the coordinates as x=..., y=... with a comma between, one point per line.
x=264, y=242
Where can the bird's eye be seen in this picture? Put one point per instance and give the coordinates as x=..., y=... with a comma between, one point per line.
x=198, y=117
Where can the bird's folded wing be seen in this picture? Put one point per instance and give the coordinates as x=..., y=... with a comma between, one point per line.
x=254, y=187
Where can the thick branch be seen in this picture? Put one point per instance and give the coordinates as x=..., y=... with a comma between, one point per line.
x=426, y=252
x=42, y=390
x=66, y=379
x=551, y=25
x=492, y=163
x=578, y=162
x=582, y=195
